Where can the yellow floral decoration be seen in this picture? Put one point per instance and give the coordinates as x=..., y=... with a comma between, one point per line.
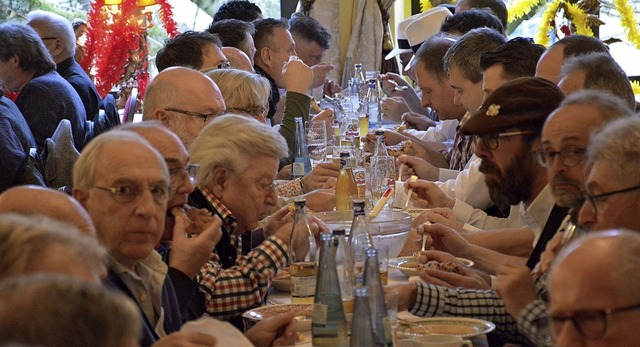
x=628, y=21
x=521, y=7
x=635, y=85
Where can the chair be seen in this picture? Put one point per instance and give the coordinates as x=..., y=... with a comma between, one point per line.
x=130, y=106
x=32, y=171
x=59, y=156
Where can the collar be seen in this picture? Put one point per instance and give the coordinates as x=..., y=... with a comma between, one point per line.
x=538, y=212
x=274, y=96
x=153, y=262
x=65, y=64
x=229, y=222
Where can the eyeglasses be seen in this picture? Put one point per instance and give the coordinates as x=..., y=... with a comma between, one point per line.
x=491, y=141
x=130, y=193
x=590, y=324
x=266, y=188
x=591, y=199
x=224, y=65
x=204, y=116
x=179, y=174
x=569, y=156
x=251, y=110
x=48, y=38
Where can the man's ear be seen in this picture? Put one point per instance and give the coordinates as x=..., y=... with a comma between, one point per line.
x=81, y=196
x=57, y=50
x=218, y=182
x=265, y=56
x=161, y=116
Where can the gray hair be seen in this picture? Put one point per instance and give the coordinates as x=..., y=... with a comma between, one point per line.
x=24, y=239
x=609, y=106
x=241, y=89
x=23, y=42
x=68, y=312
x=57, y=26
x=601, y=72
x=618, y=144
x=467, y=51
x=230, y=141
x=84, y=171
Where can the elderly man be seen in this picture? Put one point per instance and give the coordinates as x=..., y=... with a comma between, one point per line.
x=59, y=38
x=127, y=203
x=274, y=46
x=238, y=160
x=551, y=61
x=194, y=49
x=594, y=293
x=16, y=140
x=238, y=59
x=45, y=97
x=184, y=100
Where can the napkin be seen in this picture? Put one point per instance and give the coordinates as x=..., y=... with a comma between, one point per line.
x=225, y=333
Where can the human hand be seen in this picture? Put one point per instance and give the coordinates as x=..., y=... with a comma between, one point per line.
x=428, y=194
x=297, y=75
x=549, y=254
x=390, y=138
x=188, y=254
x=417, y=166
x=321, y=200
x=330, y=183
x=279, y=224
x=406, y=294
x=320, y=73
x=442, y=215
x=515, y=286
x=393, y=108
x=443, y=238
x=284, y=173
x=417, y=121
x=186, y=339
x=467, y=278
x=278, y=330
x=394, y=84
x=331, y=88
x=320, y=175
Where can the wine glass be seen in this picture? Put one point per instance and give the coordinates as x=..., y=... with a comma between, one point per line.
x=316, y=142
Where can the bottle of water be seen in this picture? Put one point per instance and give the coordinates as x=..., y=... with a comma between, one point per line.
x=380, y=149
x=360, y=239
x=361, y=328
x=379, y=317
x=373, y=100
x=346, y=187
x=301, y=161
x=328, y=324
x=302, y=257
x=360, y=84
x=344, y=265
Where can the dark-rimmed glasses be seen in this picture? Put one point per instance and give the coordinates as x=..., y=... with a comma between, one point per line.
x=179, y=174
x=48, y=38
x=591, y=199
x=129, y=193
x=491, y=140
x=568, y=157
x=590, y=324
x=204, y=116
x=250, y=110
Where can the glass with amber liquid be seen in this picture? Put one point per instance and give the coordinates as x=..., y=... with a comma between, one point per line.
x=346, y=188
x=302, y=257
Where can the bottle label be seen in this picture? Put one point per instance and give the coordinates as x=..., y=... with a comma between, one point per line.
x=320, y=314
x=297, y=169
x=303, y=286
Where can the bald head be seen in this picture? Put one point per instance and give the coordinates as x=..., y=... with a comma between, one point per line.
x=28, y=200
x=238, y=59
x=177, y=91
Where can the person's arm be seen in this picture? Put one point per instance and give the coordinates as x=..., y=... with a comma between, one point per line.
x=230, y=292
x=468, y=187
x=12, y=154
x=515, y=242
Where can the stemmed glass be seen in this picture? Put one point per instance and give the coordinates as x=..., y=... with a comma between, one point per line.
x=317, y=142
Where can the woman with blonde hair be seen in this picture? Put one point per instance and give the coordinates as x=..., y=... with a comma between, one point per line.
x=244, y=93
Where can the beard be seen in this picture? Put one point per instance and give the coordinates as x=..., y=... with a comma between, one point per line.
x=572, y=196
x=514, y=184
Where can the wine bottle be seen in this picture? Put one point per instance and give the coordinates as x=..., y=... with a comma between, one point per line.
x=379, y=317
x=328, y=324
x=302, y=257
x=346, y=187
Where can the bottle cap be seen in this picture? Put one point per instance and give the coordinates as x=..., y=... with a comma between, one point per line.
x=361, y=291
x=300, y=202
x=339, y=232
x=358, y=206
x=371, y=252
x=344, y=155
x=325, y=237
x=379, y=132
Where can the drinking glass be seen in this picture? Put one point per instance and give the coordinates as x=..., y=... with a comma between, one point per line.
x=381, y=176
x=317, y=142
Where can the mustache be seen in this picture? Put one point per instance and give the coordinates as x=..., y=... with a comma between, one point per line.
x=562, y=179
x=487, y=167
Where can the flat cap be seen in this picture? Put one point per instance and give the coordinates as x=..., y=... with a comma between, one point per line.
x=523, y=103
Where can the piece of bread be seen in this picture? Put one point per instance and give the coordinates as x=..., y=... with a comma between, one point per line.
x=399, y=149
x=196, y=219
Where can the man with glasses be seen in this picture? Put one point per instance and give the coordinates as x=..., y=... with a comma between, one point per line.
x=195, y=49
x=127, y=200
x=184, y=100
x=595, y=300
